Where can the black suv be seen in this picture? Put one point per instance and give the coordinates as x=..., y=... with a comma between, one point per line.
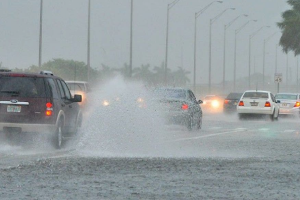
x=38, y=103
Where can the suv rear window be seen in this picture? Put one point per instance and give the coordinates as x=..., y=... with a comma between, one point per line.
x=22, y=87
x=256, y=95
x=234, y=96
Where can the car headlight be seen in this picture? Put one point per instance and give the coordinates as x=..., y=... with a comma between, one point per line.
x=105, y=103
x=215, y=104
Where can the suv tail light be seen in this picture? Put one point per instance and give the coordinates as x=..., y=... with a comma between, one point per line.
x=184, y=107
x=241, y=103
x=267, y=104
x=297, y=104
x=49, y=109
x=226, y=101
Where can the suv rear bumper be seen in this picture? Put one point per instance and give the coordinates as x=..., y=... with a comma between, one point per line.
x=33, y=128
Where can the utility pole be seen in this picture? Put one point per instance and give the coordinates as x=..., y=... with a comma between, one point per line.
x=41, y=32
x=88, y=41
x=130, y=56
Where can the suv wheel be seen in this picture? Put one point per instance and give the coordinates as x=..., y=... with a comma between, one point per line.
x=58, y=136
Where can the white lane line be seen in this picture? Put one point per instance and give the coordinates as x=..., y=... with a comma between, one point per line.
x=214, y=128
x=289, y=131
x=210, y=135
x=263, y=129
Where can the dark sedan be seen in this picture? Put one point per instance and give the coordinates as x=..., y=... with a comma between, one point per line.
x=231, y=101
x=180, y=106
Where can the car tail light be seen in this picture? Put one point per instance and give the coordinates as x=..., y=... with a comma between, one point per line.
x=49, y=109
x=297, y=104
x=184, y=107
x=267, y=104
x=226, y=101
x=241, y=103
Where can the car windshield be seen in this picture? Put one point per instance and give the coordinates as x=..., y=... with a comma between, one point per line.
x=76, y=86
x=286, y=96
x=263, y=95
x=234, y=96
x=170, y=93
x=22, y=87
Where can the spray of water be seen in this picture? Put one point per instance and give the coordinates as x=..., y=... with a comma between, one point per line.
x=122, y=121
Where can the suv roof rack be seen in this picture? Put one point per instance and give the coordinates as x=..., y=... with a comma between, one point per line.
x=5, y=70
x=46, y=73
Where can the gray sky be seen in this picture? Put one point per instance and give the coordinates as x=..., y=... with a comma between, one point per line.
x=65, y=34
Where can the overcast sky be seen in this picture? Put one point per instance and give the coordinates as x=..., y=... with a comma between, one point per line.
x=65, y=34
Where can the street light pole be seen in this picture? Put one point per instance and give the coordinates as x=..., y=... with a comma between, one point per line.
x=264, y=56
x=197, y=14
x=249, y=61
x=170, y=5
x=234, y=68
x=226, y=26
x=88, y=41
x=41, y=33
x=211, y=21
x=130, y=56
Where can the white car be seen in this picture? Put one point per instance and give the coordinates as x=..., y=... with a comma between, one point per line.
x=289, y=103
x=258, y=102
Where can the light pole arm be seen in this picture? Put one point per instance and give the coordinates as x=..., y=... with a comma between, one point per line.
x=172, y=4
x=197, y=14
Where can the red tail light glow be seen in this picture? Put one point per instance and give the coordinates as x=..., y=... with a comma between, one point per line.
x=49, y=109
x=267, y=104
x=226, y=101
x=184, y=107
x=241, y=103
x=297, y=104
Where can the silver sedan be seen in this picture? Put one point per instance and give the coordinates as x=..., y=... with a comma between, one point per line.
x=289, y=103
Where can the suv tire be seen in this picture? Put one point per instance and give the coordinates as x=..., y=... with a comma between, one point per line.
x=58, y=139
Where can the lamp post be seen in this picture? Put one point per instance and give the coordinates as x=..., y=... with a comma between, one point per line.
x=41, y=33
x=234, y=68
x=130, y=48
x=197, y=14
x=226, y=26
x=88, y=41
x=276, y=52
x=210, y=25
x=170, y=5
x=264, y=57
x=249, y=61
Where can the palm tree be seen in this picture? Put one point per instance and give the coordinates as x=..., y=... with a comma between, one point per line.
x=143, y=73
x=290, y=26
x=180, y=77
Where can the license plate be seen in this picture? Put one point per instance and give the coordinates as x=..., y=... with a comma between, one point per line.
x=11, y=108
x=284, y=104
x=235, y=103
x=253, y=103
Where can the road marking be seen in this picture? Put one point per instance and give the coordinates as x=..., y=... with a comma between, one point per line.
x=263, y=129
x=210, y=135
x=289, y=131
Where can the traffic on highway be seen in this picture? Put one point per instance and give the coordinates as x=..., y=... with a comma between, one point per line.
x=152, y=99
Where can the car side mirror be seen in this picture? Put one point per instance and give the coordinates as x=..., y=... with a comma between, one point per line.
x=77, y=98
x=277, y=101
x=200, y=101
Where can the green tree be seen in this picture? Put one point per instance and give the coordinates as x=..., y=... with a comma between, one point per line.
x=180, y=77
x=143, y=73
x=290, y=26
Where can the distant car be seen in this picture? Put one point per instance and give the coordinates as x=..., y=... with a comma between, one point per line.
x=180, y=106
x=38, y=103
x=258, y=102
x=231, y=101
x=289, y=103
x=79, y=87
x=212, y=102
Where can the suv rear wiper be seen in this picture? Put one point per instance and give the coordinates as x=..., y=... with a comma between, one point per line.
x=10, y=92
x=15, y=93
